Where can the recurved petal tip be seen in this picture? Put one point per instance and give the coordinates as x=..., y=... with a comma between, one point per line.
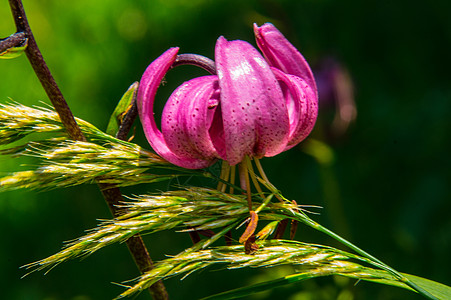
x=280, y=53
x=302, y=106
x=152, y=77
x=148, y=86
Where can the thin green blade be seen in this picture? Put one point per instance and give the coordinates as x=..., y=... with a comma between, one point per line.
x=259, y=287
x=437, y=289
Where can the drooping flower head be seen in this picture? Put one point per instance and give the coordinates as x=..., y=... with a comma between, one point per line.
x=254, y=105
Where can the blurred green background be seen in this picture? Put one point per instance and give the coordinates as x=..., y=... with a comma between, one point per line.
x=385, y=186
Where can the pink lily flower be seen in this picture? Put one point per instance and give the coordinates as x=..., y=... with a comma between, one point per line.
x=255, y=106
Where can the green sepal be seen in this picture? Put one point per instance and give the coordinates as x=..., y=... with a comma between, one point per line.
x=14, y=51
x=121, y=109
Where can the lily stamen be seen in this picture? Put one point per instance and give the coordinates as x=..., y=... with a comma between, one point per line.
x=253, y=176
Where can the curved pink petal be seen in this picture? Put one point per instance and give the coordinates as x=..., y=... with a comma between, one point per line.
x=146, y=96
x=253, y=108
x=302, y=106
x=280, y=53
x=186, y=119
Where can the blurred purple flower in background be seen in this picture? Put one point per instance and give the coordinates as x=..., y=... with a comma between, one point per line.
x=336, y=95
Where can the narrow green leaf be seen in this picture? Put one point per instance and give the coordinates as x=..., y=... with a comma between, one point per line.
x=260, y=287
x=121, y=109
x=438, y=290
x=372, y=260
x=14, y=51
x=367, y=274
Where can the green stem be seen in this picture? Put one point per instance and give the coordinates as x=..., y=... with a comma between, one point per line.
x=265, y=202
x=306, y=220
x=376, y=262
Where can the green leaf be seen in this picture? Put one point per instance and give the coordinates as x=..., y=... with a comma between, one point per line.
x=260, y=287
x=438, y=290
x=121, y=109
x=14, y=51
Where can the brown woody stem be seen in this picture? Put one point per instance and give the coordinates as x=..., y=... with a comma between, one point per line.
x=111, y=193
x=43, y=73
x=15, y=40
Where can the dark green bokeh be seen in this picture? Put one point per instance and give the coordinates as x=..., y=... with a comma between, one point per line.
x=389, y=179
